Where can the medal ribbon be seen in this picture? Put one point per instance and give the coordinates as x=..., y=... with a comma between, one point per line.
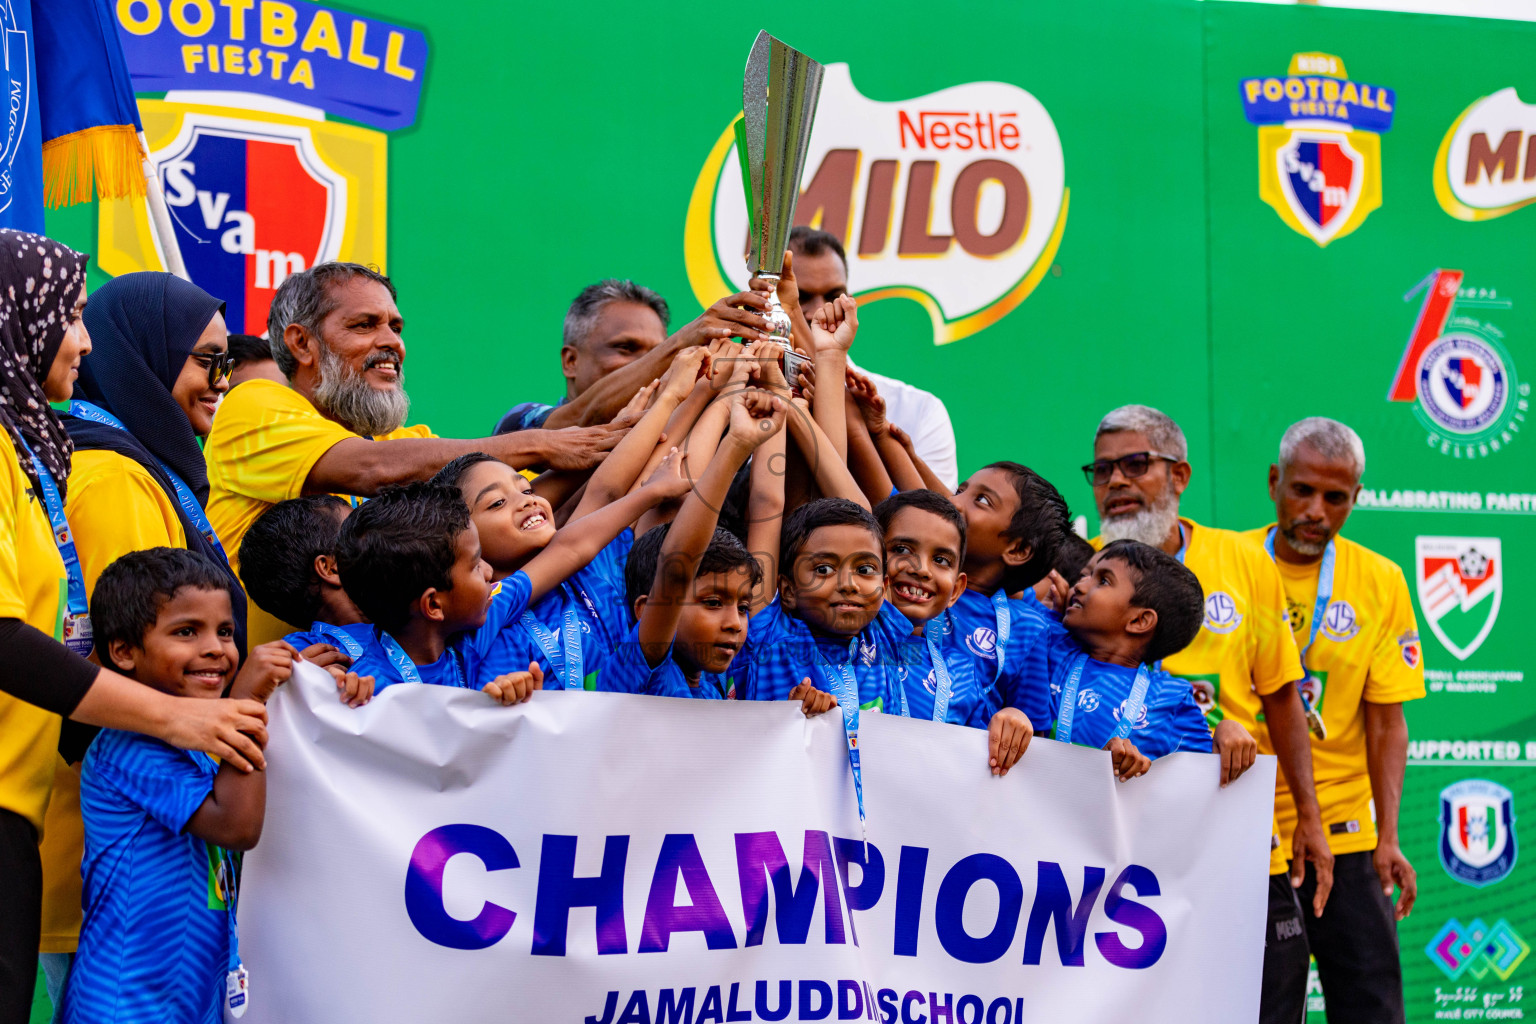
x=409, y=673
x=567, y=663
x=1133, y=704
x=943, y=684
x=843, y=685
x=342, y=639
x=1319, y=611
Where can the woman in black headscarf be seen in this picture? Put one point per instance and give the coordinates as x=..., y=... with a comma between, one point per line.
x=42, y=339
x=148, y=390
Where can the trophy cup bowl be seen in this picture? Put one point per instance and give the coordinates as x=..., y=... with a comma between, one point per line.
x=778, y=103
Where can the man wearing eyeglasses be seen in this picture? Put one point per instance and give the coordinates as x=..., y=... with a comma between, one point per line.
x=1243, y=664
x=1353, y=619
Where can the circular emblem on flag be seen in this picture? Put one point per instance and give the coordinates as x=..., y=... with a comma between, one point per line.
x=1339, y=622
x=982, y=642
x=1221, y=614
x=1463, y=385
x=1477, y=832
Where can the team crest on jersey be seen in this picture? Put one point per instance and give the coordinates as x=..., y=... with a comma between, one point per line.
x=1141, y=717
x=1461, y=585
x=1456, y=370
x=1088, y=700
x=931, y=683
x=1410, y=647
x=1221, y=614
x=1477, y=832
x=1340, y=622
x=1319, y=144
x=868, y=651
x=983, y=642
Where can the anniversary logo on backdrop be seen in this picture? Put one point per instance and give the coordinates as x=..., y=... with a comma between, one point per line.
x=1319, y=144
x=956, y=200
x=259, y=183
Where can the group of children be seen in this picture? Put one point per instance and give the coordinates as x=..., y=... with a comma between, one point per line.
x=728, y=548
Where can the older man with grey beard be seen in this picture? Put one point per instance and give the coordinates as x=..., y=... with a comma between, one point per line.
x=1243, y=664
x=337, y=428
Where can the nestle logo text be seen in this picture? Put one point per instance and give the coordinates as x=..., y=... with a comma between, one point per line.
x=959, y=129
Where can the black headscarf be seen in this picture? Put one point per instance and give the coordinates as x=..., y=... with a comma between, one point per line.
x=39, y=282
x=143, y=327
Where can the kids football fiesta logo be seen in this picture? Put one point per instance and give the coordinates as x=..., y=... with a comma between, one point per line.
x=1460, y=584
x=1319, y=144
x=1486, y=166
x=1477, y=832
x=956, y=200
x=1457, y=371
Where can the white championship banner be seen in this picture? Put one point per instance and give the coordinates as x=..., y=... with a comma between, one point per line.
x=612, y=859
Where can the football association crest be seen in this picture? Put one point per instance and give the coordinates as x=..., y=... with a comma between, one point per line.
x=1477, y=832
x=1460, y=584
x=1457, y=371
x=1319, y=144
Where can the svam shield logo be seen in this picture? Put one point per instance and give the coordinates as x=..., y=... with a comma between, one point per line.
x=1477, y=832
x=1320, y=177
x=251, y=205
x=1460, y=584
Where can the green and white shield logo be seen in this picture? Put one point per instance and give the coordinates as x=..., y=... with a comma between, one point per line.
x=1460, y=584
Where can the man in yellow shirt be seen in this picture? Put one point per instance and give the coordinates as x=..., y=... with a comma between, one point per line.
x=1353, y=619
x=1243, y=664
x=338, y=427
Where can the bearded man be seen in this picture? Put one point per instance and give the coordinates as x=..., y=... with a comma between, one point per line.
x=338, y=426
x=1243, y=662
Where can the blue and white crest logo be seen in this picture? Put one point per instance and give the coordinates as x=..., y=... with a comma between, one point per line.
x=1340, y=622
x=1477, y=832
x=868, y=652
x=1141, y=717
x=1088, y=700
x=982, y=642
x=931, y=683
x=1221, y=614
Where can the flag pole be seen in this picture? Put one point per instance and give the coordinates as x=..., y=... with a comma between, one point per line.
x=160, y=217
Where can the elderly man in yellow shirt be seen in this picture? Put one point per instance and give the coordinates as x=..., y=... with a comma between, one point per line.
x=1243, y=664
x=337, y=428
x=1353, y=620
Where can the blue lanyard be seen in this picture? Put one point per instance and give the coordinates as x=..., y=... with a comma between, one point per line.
x=845, y=687
x=1004, y=626
x=77, y=620
x=567, y=663
x=184, y=496
x=1183, y=544
x=236, y=995
x=342, y=639
x=409, y=673
x=943, y=684
x=1133, y=704
x=1324, y=591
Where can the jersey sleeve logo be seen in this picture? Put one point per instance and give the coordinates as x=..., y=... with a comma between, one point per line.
x=1221, y=614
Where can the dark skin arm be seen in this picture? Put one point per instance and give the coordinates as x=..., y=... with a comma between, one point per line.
x=724, y=319
x=1386, y=755
x=864, y=459
x=930, y=478
x=362, y=467
x=1287, y=722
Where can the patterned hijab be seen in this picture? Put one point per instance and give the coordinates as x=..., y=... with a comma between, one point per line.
x=39, y=282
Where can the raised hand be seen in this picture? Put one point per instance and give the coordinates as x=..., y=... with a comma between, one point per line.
x=582, y=447
x=727, y=319
x=685, y=370
x=871, y=406
x=636, y=406
x=836, y=323
x=668, y=481
x=755, y=417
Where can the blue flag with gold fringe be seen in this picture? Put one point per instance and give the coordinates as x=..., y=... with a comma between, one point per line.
x=72, y=130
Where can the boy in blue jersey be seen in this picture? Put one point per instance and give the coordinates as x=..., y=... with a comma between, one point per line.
x=570, y=626
x=830, y=622
x=924, y=549
x=157, y=943
x=411, y=560
x=691, y=585
x=1134, y=606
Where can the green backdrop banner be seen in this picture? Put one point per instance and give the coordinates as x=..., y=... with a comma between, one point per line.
x=1240, y=213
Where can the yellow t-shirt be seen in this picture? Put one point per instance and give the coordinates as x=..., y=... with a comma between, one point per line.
x=1367, y=650
x=265, y=439
x=114, y=506
x=1243, y=650
x=32, y=588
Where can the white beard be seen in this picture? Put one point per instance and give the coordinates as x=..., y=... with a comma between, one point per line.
x=1149, y=525
x=347, y=395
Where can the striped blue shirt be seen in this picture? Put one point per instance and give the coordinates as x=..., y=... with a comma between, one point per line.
x=1169, y=721
x=625, y=670
x=781, y=651
x=154, y=946
x=972, y=698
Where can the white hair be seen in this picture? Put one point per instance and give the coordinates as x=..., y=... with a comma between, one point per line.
x=1329, y=438
x=1158, y=428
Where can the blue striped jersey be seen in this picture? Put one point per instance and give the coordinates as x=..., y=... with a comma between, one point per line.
x=154, y=946
x=1169, y=721
x=781, y=651
x=972, y=698
x=625, y=670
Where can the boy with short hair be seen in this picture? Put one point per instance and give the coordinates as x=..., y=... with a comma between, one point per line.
x=924, y=551
x=288, y=558
x=411, y=559
x=1134, y=606
x=160, y=822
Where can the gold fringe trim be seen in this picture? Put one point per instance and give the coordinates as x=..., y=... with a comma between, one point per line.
x=102, y=162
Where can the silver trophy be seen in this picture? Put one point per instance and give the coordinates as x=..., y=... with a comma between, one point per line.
x=778, y=103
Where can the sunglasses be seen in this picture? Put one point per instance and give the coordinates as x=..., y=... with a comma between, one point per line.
x=1131, y=466
x=218, y=364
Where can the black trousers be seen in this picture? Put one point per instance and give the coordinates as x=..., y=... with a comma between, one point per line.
x=21, y=916
x=1355, y=943
x=1283, y=998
